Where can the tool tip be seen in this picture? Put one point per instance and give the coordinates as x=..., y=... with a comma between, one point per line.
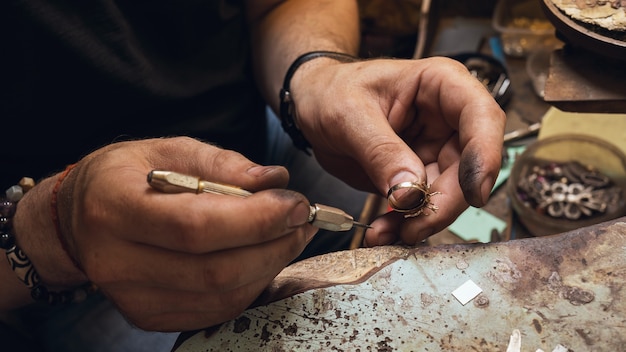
x=360, y=224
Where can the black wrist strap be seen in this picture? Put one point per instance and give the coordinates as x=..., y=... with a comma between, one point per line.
x=287, y=107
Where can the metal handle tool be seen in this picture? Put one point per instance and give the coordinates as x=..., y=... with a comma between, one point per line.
x=322, y=216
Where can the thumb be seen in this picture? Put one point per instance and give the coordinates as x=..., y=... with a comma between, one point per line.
x=390, y=162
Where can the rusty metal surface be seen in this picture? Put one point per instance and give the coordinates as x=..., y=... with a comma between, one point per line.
x=566, y=289
x=582, y=82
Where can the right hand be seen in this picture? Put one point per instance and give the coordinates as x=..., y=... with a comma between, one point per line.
x=173, y=262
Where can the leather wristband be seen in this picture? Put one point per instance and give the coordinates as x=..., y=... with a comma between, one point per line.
x=287, y=106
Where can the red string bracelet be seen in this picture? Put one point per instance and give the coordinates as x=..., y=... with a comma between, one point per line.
x=55, y=213
x=19, y=261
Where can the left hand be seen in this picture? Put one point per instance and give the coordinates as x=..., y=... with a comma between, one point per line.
x=377, y=123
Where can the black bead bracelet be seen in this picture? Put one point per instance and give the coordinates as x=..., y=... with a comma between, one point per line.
x=19, y=262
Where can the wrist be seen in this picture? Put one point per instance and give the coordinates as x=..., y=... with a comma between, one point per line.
x=299, y=68
x=35, y=236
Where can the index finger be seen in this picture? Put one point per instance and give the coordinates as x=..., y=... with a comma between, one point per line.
x=208, y=222
x=481, y=124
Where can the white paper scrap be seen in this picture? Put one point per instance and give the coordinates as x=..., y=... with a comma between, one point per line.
x=515, y=342
x=467, y=292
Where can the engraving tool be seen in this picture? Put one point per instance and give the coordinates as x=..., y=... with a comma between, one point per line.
x=322, y=216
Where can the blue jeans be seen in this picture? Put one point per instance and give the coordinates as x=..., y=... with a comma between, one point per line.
x=96, y=325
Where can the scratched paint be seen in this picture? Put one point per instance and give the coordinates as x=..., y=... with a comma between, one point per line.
x=559, y=290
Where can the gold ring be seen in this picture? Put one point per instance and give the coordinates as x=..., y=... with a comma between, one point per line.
x=422, y=199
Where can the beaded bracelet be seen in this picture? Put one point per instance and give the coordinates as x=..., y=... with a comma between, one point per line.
x=287, y=107
x=20, y=264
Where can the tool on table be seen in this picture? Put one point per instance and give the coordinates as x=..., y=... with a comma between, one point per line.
x=322, y=216
x=490, y=72
x=522, y=132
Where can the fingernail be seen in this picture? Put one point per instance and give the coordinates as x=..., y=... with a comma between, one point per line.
x=261, y=170
x=404, y=176
x=485, y=189
x=299, y=215
x=406, y=194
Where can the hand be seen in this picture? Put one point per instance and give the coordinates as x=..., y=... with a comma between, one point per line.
x=378, y=123
x=173, y=262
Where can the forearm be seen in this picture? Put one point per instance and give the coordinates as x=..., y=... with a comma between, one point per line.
x=35, y=234
x=290, y=28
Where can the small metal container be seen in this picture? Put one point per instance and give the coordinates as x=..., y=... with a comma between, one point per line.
x=593, y=153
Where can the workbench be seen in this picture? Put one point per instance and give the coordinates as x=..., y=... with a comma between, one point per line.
x=563, y=290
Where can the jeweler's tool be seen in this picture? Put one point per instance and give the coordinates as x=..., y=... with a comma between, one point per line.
x=522, y=132
x=322, y=216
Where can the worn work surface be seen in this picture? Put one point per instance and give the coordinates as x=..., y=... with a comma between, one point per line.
x=566, y=289
x=583, y=82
